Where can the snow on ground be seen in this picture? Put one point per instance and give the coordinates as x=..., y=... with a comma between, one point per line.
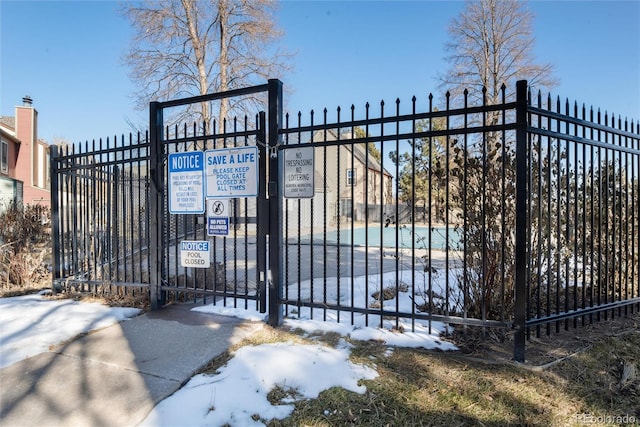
x=419, y=333
x=238, y=392
x=30, y=324
x=359, y=291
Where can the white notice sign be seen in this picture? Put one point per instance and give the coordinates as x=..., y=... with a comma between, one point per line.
x=195, y=253
x=298, y=172
x=232, y=172
x=186, y=182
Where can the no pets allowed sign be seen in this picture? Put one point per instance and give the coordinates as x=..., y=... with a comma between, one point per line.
x=217, y=217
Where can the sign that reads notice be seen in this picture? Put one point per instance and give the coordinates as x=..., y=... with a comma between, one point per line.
x=186, y=182
x=195, y=253
x=217, y=217
x=299, y=172
x=232, y=172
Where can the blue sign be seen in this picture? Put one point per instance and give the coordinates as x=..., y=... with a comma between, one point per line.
x=217, y=226
x=194, y=245
x=190, y=161
x=186, y=182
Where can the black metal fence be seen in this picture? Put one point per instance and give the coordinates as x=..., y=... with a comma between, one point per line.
x=436, y=241
x=519, y=214
x=100, y=217
x=582, y=215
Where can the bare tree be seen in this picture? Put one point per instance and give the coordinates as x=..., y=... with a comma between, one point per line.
x=490, y=47
x=491, y=44
x=184, y=48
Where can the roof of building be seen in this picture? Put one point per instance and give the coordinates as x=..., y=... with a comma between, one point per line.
x=8, y=122
x=359, y=151
x=7, y=128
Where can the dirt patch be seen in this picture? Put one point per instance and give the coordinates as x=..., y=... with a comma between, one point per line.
x=546, y=347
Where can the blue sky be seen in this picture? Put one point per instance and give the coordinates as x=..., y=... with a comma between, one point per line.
x=68, y=57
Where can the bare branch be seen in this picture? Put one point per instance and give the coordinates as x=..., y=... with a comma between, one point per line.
x=185, y=48
x=492, y=44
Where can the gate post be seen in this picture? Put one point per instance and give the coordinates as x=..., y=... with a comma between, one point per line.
x=262, y=214
x=55, y=217
x=520, y=308
x=275, y=203
x=156, y=205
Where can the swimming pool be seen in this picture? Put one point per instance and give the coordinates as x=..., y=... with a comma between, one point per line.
x=372, y=236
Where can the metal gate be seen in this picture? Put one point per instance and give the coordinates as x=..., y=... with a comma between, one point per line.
x=238, y=272
x=114, y=229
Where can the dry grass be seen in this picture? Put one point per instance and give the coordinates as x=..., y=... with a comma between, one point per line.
x=605, y=377
x=584, y=376
x=7, y=291
x=425, y=388
x=421, y=388
x=119, y=297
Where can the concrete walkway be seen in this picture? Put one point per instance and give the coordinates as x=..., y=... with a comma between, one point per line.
x=116, y=375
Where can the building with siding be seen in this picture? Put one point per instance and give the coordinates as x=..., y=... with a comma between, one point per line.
x=350, y=184
x=24, y=159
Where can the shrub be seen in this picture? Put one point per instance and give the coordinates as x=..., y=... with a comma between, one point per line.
x=24, y=246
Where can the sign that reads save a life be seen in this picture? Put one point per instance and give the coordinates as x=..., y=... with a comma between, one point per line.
x=231, y=172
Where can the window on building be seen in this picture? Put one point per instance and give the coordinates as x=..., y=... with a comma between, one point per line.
x=4, y=157
x=351, y=177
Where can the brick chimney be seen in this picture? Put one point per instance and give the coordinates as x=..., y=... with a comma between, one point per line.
x=27, y=133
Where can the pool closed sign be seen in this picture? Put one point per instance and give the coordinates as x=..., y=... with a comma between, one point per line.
x=195, y=253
